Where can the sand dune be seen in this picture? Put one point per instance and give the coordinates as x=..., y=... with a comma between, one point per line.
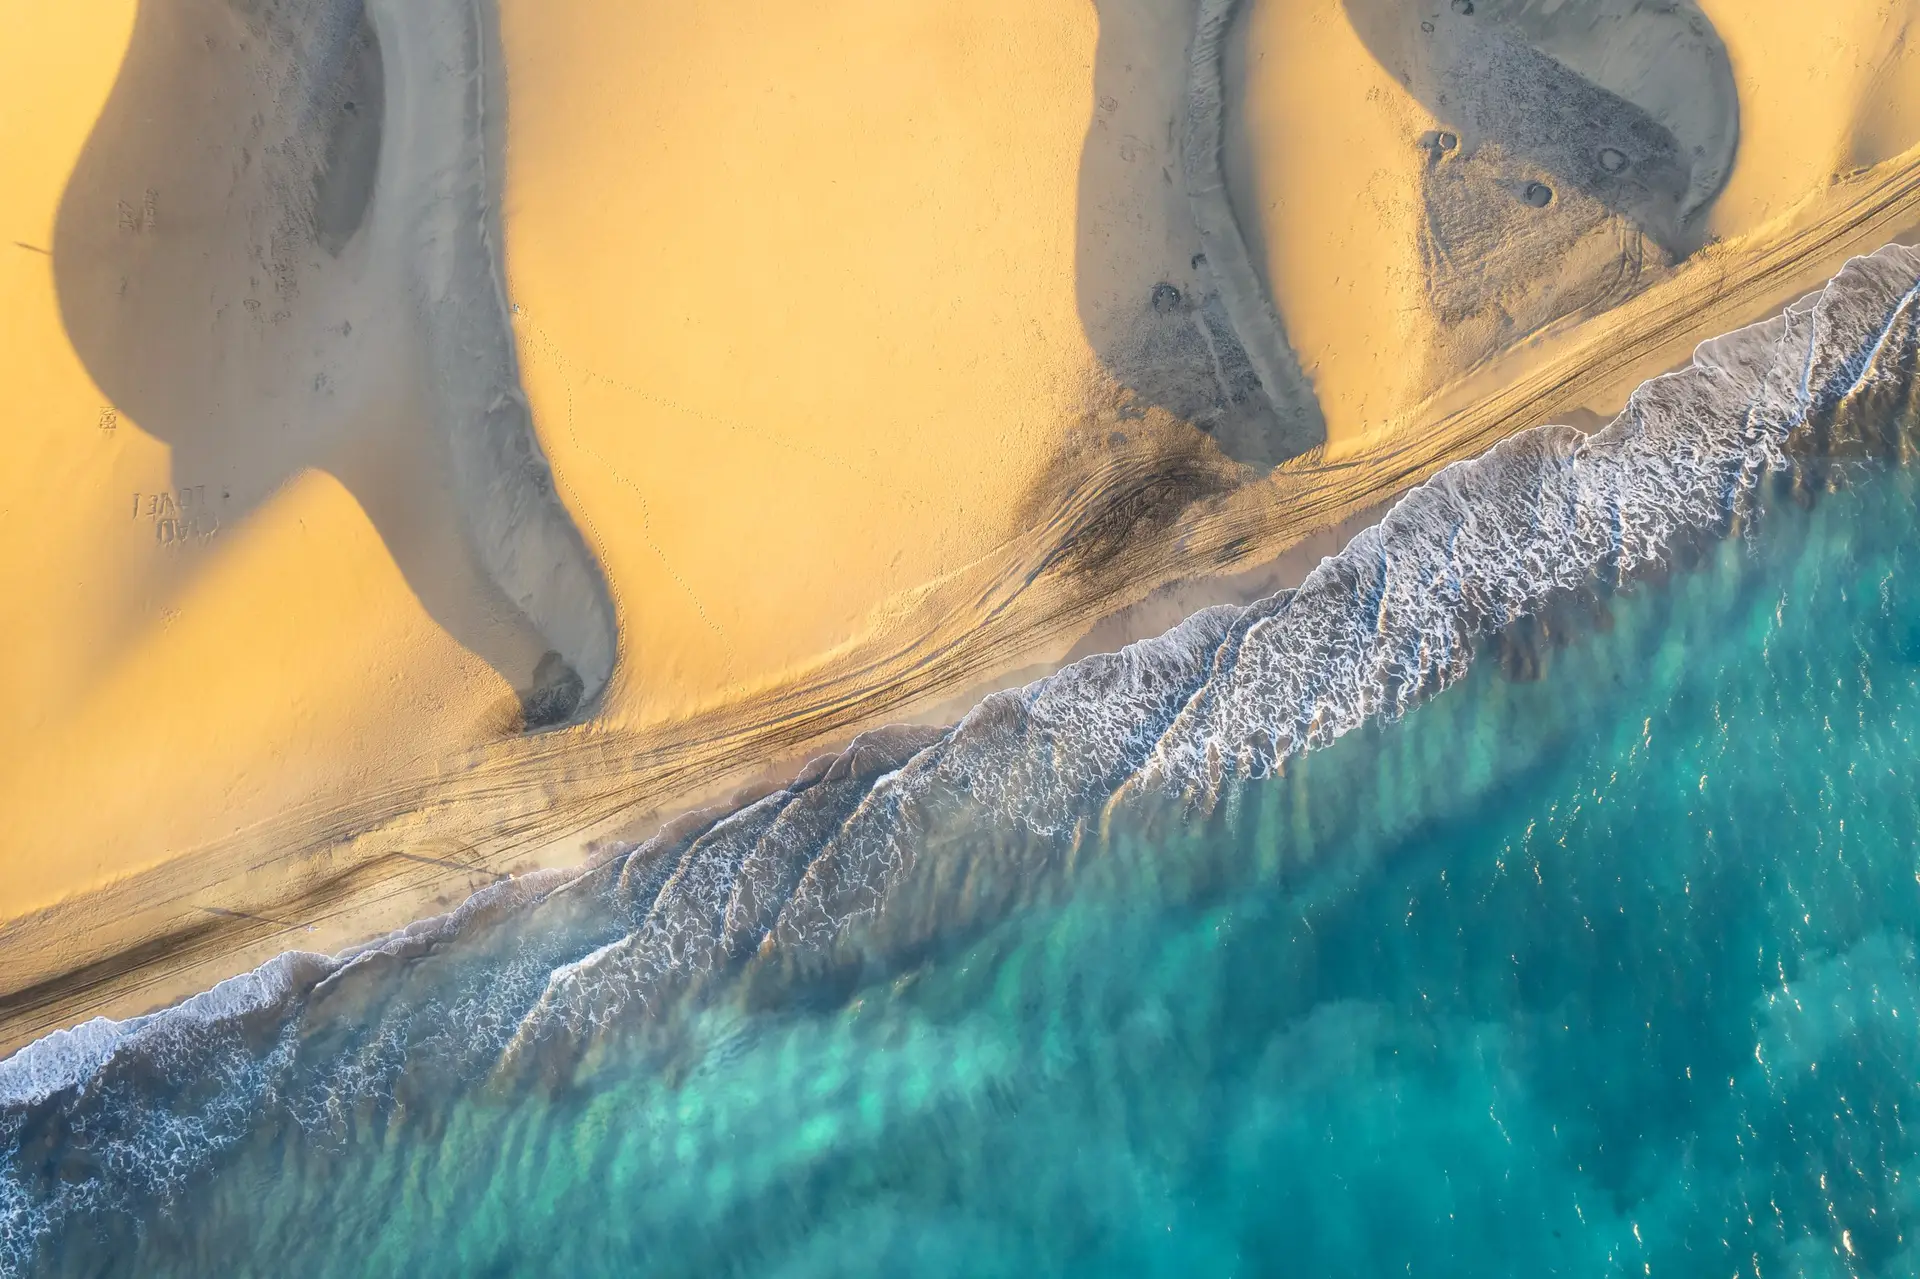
x=1645, y=132
x=262, y=575
x=732, y=378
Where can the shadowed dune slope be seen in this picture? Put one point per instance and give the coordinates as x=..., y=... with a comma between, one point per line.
x=1504, y=172
x=289, y=501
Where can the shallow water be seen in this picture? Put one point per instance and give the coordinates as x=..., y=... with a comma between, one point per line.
x=1607, y=970
x=1604, y=959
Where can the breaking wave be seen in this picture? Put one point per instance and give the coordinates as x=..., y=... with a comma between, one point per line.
x=915, y=837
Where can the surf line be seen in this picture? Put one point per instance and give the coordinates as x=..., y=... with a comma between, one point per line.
x=787, y=883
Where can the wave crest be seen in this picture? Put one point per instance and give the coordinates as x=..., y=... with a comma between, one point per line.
x=915, y=835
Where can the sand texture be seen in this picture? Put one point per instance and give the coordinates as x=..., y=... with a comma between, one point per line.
x=448, y=437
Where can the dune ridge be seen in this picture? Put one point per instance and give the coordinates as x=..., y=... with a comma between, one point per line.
x=504, y=482
x=1203, y=165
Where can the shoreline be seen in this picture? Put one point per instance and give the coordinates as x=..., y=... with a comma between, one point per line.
x=408, y=889
x=1229, y=694
x=392, y=876
x=1122, y=554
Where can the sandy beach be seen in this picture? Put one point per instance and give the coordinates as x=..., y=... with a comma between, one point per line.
x=451, y=439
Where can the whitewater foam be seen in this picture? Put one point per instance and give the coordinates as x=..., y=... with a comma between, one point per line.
x=912, y=835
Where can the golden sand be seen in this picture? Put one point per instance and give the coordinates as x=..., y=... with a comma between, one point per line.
x=208, y=629
x=833, y=278
x=834, y=322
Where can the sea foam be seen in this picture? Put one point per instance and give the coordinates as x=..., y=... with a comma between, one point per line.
x=882, y=848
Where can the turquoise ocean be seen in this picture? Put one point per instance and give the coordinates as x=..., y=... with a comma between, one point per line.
x=1535, y=891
